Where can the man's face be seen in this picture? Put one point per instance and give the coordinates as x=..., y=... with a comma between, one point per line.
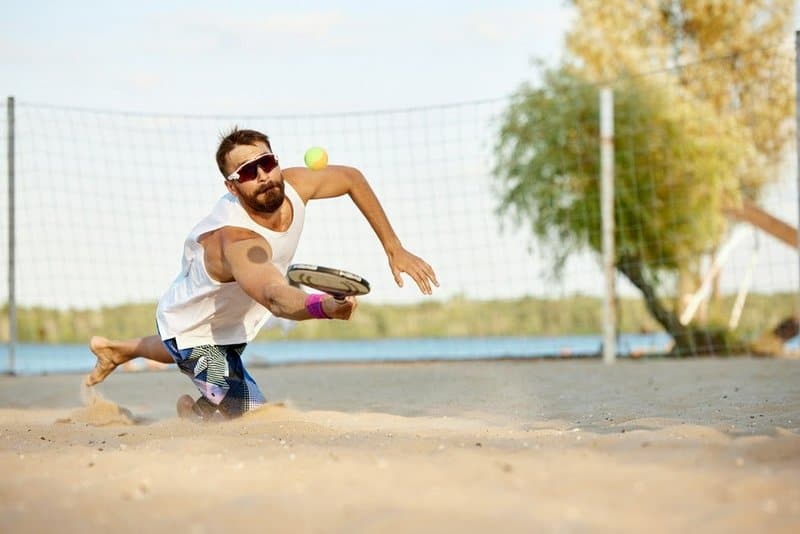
x=263, y=194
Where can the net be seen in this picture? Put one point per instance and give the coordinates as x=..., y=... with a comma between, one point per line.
x=104, y=200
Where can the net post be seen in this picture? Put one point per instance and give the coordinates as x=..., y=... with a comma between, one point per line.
x=607, y=215
x=12, y=301
x=797, y=142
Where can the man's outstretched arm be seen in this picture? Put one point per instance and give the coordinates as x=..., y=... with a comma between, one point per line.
x=338, y=180
x=248, y=258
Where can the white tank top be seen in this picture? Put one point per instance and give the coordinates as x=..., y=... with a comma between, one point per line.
x=198, y=310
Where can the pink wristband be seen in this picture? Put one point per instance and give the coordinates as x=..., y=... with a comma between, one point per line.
x=314, y=306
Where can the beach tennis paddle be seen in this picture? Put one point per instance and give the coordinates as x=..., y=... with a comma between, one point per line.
x=335, y=282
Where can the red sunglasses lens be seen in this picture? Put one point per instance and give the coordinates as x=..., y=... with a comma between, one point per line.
x=267, y=162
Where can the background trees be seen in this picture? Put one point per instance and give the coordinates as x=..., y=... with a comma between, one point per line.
x=690, y=141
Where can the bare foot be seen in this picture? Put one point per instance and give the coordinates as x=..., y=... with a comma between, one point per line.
x=108, y=359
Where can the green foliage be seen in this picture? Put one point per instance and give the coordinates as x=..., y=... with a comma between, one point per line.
x=527, y=316
x=675, y=163
x=738, y=62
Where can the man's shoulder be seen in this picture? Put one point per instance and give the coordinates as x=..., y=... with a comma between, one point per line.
x=226, y=235
x=236, y=233
x=295, y=177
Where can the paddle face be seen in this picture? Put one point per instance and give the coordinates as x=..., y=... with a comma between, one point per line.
x=334, y=282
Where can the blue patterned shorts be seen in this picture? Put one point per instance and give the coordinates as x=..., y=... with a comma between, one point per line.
x=219, y=374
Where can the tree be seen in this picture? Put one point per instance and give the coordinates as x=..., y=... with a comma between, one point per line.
x=743, y=47
x=739, y=62
x=689, y=142
x=675, y=167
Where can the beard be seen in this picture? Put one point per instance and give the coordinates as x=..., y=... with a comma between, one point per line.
x=266, y=199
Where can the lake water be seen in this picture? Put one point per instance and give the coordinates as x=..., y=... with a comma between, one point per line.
x=31, y=358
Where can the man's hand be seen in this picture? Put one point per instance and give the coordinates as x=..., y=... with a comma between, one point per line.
x=402, y=261
x=338, y=180
x=336, y=309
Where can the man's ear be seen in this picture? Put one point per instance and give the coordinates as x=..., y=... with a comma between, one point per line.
x=231, y=188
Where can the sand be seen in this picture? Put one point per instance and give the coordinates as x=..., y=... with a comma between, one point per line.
x=706, y=445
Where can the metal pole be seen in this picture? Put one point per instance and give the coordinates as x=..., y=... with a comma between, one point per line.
x=607, y=214
x=12, y=301
x=797, y=135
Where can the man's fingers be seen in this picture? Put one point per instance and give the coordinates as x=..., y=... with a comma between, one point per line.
x=422, y=282
x=353, y=304
x=431, y=275
x=428, y=276
x=426, y=272
x=345, y=309
x=398, y=280
x=418, y=270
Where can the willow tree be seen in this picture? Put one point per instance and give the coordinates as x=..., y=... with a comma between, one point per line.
x=703, y=102
x=737, y=58
x=739, y=55
x=675, y=164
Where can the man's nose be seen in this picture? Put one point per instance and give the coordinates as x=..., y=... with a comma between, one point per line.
x=262, y=174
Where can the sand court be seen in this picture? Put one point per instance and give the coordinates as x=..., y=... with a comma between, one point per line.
x=557, y=446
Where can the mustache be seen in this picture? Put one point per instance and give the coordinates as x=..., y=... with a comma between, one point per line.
x=269, y=185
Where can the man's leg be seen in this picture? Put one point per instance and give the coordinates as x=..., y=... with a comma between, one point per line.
x=110, y=353
x=217, y=371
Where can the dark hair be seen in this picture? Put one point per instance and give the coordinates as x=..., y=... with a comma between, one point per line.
x=238, y=137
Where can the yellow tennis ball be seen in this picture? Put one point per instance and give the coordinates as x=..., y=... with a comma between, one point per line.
x=316, y=158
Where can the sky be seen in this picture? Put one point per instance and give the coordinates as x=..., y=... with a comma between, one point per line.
x=279, y=64
x=271, y=57
x=250, y=59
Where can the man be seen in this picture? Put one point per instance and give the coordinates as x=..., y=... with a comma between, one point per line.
x=233, y=275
